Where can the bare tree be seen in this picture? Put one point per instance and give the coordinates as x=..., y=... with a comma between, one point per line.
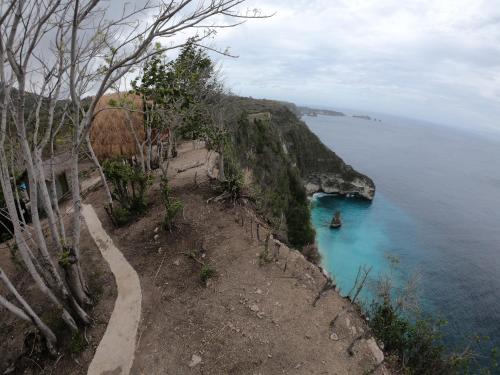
x=359, y=283
x=60, y=52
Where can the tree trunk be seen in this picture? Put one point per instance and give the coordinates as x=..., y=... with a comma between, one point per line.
x=149, y=141
x=34, y=174
x=46, y=200
x=174, y=143
x=162, y=163
x=222, y=175
x=140, y=146
x=101, y=172
x=18, y=200
x=13, y=308
x=55, y=202
x=27, y=313
x=76, y=281
x=23, y=247
x=80, y=313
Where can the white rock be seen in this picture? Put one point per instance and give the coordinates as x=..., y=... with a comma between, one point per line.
x=334, y=337
x=156, y=229
x=177, y=262
x=195, y=361
x=254, y=307
x=156, y=237
x=377, y=353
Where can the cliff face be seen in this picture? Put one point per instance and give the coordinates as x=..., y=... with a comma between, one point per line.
x=321, y=170
x=333, y=183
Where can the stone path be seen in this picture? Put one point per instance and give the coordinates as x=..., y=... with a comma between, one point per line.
x=115, y=353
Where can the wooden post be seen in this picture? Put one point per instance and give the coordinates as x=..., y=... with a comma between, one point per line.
x=276, y=252
x=286, y=263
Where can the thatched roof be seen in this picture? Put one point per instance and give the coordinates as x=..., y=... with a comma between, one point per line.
x=111, y=134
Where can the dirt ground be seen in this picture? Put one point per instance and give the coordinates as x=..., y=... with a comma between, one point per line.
x=253, y=317
x=250, y=318
x=72, y=360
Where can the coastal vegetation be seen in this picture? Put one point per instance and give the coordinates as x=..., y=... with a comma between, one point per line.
x=413, y=341
x=130, y=186
x=172, y=205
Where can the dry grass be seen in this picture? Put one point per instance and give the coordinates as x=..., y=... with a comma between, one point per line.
x=111, y=134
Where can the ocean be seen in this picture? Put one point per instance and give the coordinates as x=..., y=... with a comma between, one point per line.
x=436, y=208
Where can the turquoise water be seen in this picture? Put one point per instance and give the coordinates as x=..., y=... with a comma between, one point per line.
x=437, y=208
x=367, y=236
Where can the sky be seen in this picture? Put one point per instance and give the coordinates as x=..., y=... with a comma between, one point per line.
x=435, y=60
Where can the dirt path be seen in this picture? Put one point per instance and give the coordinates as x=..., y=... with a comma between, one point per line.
x=115, y=353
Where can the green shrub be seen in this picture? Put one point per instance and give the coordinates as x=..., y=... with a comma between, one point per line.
x=265, y=255
x=300, y=229
x=172, y=205
x=77, y=343
x=121, y=215
x=233, y=182
x=312, y=254
x=207, y=272
x=130, y=185
x=416, y=342
x=14, y=256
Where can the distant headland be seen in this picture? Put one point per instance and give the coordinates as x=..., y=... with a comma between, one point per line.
x=364, y=117
x=313, y=112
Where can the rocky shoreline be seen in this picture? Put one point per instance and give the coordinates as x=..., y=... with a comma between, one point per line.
x=330, y=183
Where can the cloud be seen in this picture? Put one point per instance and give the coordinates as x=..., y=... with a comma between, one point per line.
x=436, y=60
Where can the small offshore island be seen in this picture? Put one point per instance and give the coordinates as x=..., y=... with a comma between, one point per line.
x=314, y=112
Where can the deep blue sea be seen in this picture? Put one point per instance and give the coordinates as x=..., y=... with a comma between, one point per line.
x=437, y=208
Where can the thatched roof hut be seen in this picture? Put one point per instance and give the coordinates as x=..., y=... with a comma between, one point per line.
x=112, y=131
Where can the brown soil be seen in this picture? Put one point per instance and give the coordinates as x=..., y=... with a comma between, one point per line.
x=71, y=360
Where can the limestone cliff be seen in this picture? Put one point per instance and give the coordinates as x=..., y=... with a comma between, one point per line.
x=320, y=168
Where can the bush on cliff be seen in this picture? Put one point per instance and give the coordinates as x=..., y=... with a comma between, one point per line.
x=279, y=190
x=415, y=341
x=300, y=230
x=130, y=186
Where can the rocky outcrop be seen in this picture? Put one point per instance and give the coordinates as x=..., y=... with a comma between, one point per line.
x=330, y=183
x=321, y=169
